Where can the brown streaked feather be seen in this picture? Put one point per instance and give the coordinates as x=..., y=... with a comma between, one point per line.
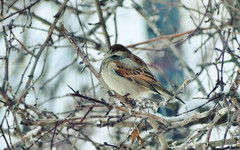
x=138, y=60
x=140, y=76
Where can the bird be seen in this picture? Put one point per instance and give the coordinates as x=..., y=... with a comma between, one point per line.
x=127, y=74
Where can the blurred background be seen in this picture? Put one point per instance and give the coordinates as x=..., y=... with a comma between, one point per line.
x=37, y=66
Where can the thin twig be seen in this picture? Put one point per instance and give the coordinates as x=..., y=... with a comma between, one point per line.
x=21, y=43
x=161, y=138
x=19, y=12
x=52, y=27
x=100, y=16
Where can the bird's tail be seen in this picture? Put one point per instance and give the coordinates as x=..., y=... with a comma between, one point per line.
x=166, y=94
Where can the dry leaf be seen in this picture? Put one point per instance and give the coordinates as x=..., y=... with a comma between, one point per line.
x=135, y=135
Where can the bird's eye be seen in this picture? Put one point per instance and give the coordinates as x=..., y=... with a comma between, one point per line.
x=115, y=56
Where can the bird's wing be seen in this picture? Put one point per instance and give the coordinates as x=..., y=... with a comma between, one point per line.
x=138, y=60
x=135, y=73
x=141, y=75
x=165, y=93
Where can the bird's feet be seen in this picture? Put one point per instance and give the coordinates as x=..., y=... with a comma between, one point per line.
x=111, y=93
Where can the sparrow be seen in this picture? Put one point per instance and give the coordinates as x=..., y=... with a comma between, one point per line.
x=127, y=74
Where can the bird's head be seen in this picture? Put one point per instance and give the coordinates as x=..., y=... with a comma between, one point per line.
x=118, y=49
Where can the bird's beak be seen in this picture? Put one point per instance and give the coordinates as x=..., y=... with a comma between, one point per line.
x=107, y=54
